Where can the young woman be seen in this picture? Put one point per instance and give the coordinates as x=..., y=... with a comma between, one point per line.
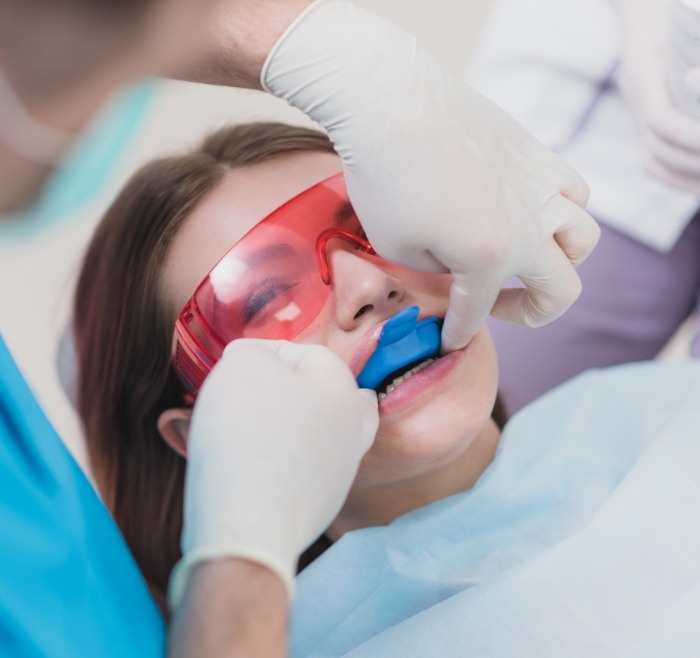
x=175, y=220
x=569, y=531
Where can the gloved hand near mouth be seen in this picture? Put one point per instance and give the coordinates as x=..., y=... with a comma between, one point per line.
x=441, y=178
x=288, y=427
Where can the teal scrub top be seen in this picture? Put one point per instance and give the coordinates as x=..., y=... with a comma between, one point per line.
x=70, y=586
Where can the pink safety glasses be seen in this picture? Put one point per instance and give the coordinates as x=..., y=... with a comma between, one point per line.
x=271, y=284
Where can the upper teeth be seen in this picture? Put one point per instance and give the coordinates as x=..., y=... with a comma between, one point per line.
x=405, y=376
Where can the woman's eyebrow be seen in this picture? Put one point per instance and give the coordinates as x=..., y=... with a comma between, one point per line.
x=268, y=253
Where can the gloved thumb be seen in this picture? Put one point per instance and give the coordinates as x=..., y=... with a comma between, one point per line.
x=471, y=299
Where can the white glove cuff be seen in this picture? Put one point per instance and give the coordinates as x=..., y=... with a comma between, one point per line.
x=180, y=574
x=295, y=23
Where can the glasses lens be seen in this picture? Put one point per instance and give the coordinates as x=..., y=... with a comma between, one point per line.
x=271, y=284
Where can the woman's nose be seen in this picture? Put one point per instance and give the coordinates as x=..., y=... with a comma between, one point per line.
x=361, y=286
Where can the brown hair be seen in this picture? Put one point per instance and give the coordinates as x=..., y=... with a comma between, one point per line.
x=123, y=331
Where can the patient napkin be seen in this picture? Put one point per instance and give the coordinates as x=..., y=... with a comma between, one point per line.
x=581, y=539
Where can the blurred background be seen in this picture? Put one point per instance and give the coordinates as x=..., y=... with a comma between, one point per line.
x=37, y=274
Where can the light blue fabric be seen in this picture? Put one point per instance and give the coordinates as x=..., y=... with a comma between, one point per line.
x=581, y=539
x=87, y=168
x=69, y=585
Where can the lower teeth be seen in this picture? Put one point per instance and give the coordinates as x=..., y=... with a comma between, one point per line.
x=400, y=380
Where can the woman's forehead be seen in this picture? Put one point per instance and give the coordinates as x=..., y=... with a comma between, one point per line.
x=243, y=197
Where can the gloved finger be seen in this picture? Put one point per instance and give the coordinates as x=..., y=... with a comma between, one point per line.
x=572, y=185
x=243, y=355
x=306, y=357
x=548, y=292
x=327, y=371
x=691, y=80
x=673, y=126
x=310, y=360
x=246, y=345
x=291, y=355
x=323, y=366
x=651, y=101
x=471, y=299
x=317, y=363
x=575, y=231
x=370, y=395
x=370, y=422
x=687, y=182
x=672, y=155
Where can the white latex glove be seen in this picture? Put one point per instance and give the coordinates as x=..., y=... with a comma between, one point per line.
x=441, y=178
x=670, y=137
x=276, y=437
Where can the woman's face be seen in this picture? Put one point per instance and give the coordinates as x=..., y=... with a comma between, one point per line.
x=427, y=421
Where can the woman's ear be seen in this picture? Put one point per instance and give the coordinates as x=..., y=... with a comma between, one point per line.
x=174, y=427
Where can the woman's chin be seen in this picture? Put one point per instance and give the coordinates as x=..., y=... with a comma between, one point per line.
x=419, y=445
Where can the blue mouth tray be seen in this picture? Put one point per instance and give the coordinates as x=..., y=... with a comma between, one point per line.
x=403, y=340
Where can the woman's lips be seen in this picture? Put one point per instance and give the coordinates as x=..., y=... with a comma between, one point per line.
x=422, y=383
x=366, y=347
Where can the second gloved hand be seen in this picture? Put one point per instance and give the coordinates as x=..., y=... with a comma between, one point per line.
x=670, y=137
x=277, y=434
x=441, y=178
